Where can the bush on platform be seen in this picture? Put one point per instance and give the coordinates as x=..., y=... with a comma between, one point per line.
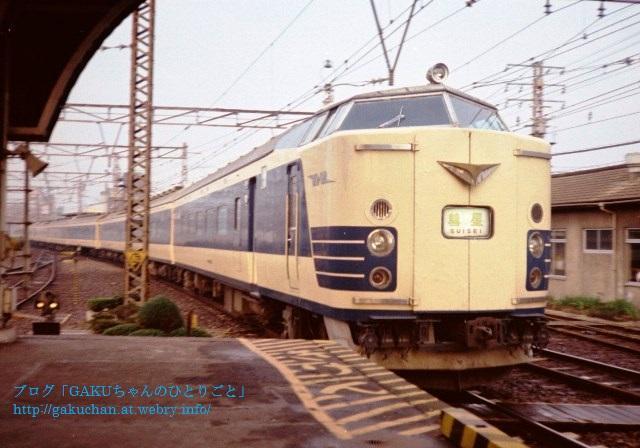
x=195, y=332
x=160, y=313
x=148, y=332
x=121, y=330
x=104, y=303
x=127, y=312
x=99, y=325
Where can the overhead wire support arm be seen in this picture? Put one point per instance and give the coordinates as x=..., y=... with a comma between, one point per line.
x=392, y=67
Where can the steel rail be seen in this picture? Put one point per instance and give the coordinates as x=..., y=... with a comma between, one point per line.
x=628, y=373
x=548, y=435
x=590, y=385
x=52, y=274
x=598, y=340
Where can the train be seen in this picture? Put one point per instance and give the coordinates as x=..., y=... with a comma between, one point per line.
x=408, y=223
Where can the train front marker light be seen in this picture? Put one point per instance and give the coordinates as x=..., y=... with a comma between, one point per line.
x=380, y=242
x=536, y=244
x=380, y=278
x=535, y=278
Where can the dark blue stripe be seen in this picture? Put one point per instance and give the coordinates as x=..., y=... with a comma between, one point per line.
x=341, y=266
x=340, y=250
x=539, y=262
x=340, y=233
x=343, y=283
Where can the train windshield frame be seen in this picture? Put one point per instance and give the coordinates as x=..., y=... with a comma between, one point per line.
x=401, y=111
x=434, y=109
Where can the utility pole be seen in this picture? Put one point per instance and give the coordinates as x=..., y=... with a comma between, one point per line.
x=140, y=135
x=538, y=117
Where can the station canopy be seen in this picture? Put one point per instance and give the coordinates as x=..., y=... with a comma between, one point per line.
x=49, y=44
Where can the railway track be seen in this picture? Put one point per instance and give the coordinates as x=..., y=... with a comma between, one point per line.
x=620, y=337
x=618, y=382
x=597, y=400
x=43, y=271
x=519, y=424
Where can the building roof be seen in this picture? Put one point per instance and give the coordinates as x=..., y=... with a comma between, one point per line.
x=613, y=184
x=51, y=41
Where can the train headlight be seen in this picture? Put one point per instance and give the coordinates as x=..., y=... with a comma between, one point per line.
x=535, y=277
x=536, y=244
x=380, y=242
x=380, y=277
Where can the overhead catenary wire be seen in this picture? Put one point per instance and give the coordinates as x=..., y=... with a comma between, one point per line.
x=596, y=148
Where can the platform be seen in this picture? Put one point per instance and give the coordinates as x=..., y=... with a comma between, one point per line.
x=202, y=392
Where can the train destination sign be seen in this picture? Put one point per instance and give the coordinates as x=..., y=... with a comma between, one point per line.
x=466, y=222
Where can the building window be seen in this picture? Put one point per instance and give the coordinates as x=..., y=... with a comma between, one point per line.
x=558, y=257
x=633, y=240
x=598, y=240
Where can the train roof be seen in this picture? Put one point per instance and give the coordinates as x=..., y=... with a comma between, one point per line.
x=416, y=90
x=268, y=147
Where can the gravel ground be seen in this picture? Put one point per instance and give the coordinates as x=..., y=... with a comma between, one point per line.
x=97, y=278
x=595, y=351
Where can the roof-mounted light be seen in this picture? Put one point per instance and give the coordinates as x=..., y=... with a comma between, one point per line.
x=438, y=73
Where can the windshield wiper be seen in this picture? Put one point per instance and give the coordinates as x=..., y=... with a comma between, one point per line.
x=397, y=119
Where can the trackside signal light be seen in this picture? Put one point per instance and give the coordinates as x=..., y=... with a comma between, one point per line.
x=536, y=244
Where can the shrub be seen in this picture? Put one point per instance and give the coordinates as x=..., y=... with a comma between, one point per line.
x=160, y=313
x=126, y=311
x=615, y=309
x=578, y=302
x=592, y=306
x=104, y=303
x=195, y=332
x=121, y=330
x=148, y=332
x=99, y=325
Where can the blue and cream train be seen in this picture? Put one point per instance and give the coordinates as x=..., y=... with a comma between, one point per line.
x=409, y=222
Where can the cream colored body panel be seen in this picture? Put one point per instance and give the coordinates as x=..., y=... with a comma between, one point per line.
x=232, y=264
x=441, y=264
x=436, y=273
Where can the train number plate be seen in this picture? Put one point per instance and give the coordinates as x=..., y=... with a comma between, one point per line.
x=466, y=222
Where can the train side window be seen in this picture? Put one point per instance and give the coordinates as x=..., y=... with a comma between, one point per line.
x=292, y=137
x=316, y=124
x=222, y=220
x=263, y=177
x=199, y=224
x=192, y=223
x=335, y=120
x=236, y=214
x=211, y=223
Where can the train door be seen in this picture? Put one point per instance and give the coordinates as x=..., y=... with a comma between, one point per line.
x=250, y=213
x=292, y=210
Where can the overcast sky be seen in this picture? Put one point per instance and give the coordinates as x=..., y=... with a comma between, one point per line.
x=266, y=54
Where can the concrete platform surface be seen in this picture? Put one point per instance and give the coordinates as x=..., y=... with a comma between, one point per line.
x=100, y=391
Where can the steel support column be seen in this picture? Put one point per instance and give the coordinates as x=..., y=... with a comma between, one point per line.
x=140, y=135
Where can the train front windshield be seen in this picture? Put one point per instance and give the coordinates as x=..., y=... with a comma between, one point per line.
x=419, y=111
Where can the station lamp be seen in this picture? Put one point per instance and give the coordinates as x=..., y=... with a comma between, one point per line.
x=34, y=164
